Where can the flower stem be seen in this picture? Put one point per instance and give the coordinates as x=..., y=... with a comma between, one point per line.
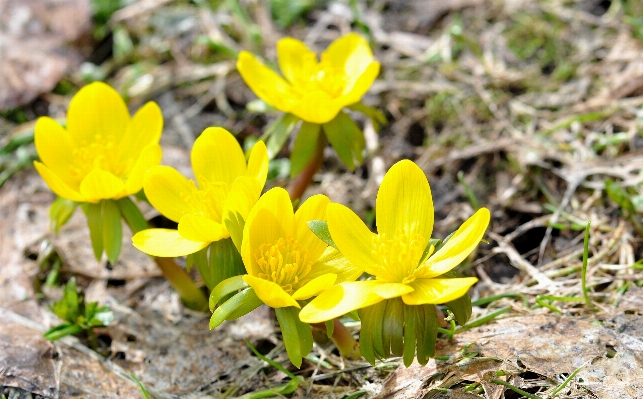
x=182, y=284
x=347, y=345
x=299, y=183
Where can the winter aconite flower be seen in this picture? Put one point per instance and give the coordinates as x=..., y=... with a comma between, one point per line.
x=226, y=187
x=314, y=91
x=404, y=264
x=286, y=264
x=102, y=153
x=311, y=89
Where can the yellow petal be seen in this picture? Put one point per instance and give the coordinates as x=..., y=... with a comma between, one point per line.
x=459, y=246
x=404, y=202
x=332, y=261
x=97, y=110
x=99, y=184
x=265, y=83
x=57, y=185
x=352, y=237
x=199, y=228
x=296, y=61
x=350, y=53
x=258, y=163
x=243, y=195
x=269, y=220
x=356, y=89
x=166, y=188
x=217, y=157
x=314, y=208
x=437, y=290
x=317, y=106
x=339, y=300
x=150, y=156
x=55, y=149
x=392, y=290
x=270, y=293
x=144, y=129
x=315, y=286
x=165, y=243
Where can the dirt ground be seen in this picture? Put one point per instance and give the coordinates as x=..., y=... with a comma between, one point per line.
x=532, y=109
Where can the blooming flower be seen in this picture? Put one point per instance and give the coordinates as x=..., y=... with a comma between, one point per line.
x=398, y=256
x=227, y=186
x=315, y=91
x=102, y=153
x=285, y=261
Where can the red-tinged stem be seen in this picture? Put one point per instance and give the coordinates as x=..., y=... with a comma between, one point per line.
x=300, y=183
x=347, y=345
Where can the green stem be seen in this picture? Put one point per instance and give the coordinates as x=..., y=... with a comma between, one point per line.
x=300, y=183
x=346, y=344
x=178, y=278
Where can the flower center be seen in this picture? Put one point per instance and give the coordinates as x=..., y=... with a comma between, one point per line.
x=320, y=76
x=208, y=200
x=397, y=256
x=285, y=263
x=102, y=153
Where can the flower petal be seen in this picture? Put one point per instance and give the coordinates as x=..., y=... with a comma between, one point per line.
x=199, y=228
x=150, y=156
x=99, y=184
x=356, y=89
x=258, y=163
x=314, y=208
x=97, y=110
x=339, y=300
x=296, y=61
x=165, y=188
x=352, y=237
x=332, y=261
x=350, y=53
x=243, y=195
x=392, y=290
x=269, y=220
x=57, y=185
x=165, y=243
x=317, y=106
x=55, y=149
x=143, y=129
x=315, y=286
x=458, y=247
x=270, y=293
x=437, y=290
x=265, y=83
x=404, y=202
x=217, y=157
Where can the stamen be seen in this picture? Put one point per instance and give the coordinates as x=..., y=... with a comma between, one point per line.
x=398, y=256
x=284, y=263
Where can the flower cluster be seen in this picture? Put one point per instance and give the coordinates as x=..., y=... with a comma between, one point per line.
x=252, y=248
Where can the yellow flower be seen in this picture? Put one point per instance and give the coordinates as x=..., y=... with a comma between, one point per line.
x=311, y=90
x=285, y=261
x=227, y=186
x=103, y=153
x=396, y=256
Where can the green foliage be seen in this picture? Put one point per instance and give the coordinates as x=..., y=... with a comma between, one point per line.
x=105, y=228
x=286, y=12
x=346, y=138
x=320, y=229
x=78, y=315
x=17, y=153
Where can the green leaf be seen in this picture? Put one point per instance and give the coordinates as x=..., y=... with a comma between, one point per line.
x=290, y=333
x=225, y=262
x=430, y=329
x=222, y=313
x=225, y=288
x=366, y=334
x=250, y=303
x=259, y=106
x=67, y=307
x=304, y=148
x=103, y=317
x=320, y=229
x=376, y=116
x=346, y=138
x=420, y=354
x=61, y=210
x=330, y=327
x=461, y=309
x=410, y=328
x=304, y=331
x=62, y=330
x=112, y=230
x=278, y=132
x=393, y=327
x=94, y=222
x=132, y=215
